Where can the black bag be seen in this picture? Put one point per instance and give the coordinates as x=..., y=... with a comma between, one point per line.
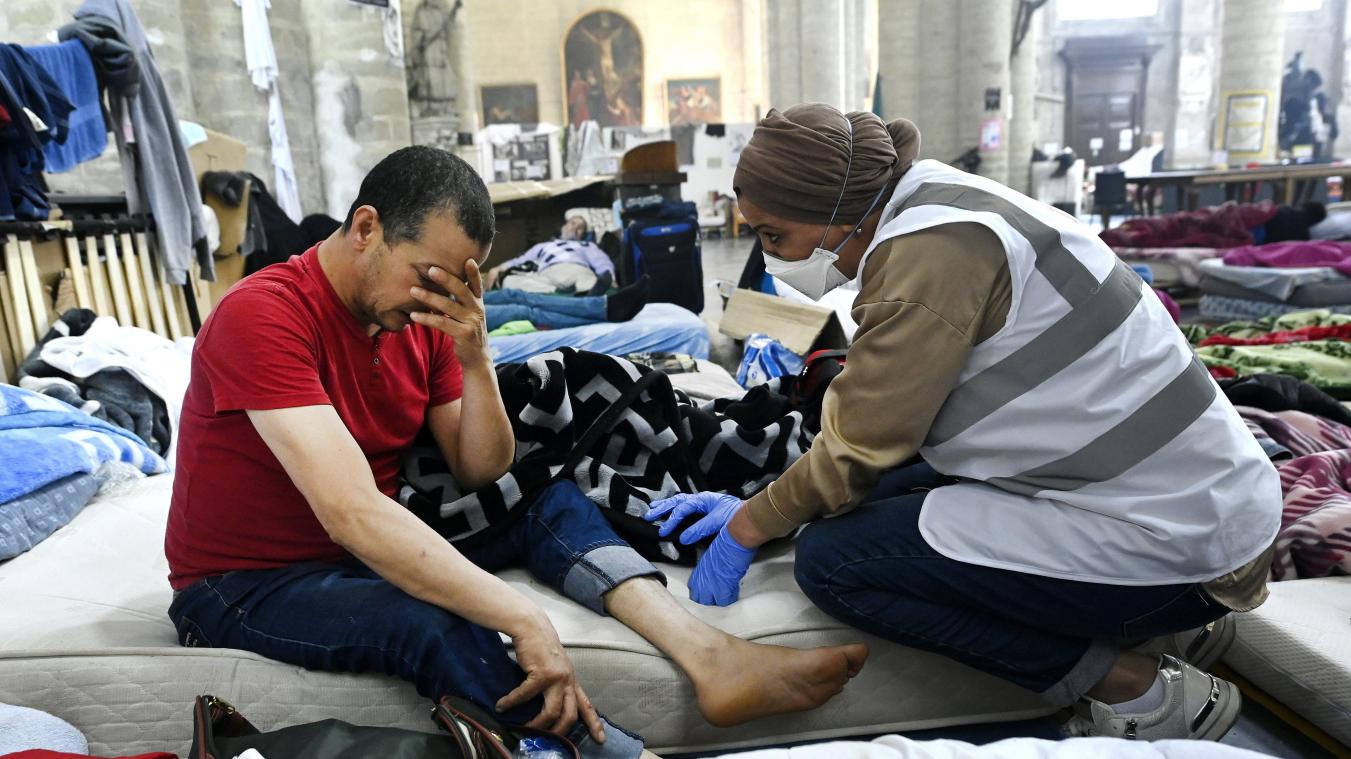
x=667, y=251
x=221, y=732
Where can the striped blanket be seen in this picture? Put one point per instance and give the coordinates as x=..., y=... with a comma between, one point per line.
x=1315, y=536
x=625, y=436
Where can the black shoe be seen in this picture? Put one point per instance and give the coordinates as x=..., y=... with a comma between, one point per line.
x=625, y=303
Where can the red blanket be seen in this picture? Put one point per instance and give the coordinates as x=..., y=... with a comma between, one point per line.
x=1225, y=226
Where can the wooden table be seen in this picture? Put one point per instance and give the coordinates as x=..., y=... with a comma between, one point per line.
x=1239, y=184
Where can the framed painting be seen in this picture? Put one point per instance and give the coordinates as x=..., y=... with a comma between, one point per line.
x=510, y=104
x=694, y=101
x=603, y=71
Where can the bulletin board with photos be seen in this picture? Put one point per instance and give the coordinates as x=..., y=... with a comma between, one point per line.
x=523, y=158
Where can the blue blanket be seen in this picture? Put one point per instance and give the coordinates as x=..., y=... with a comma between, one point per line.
x=43, y=440
x=658, y=327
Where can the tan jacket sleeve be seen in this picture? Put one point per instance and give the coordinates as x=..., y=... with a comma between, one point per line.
x=927, y=298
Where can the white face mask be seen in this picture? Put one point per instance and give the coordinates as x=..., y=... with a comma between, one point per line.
x=816, y=275
x=813, y=276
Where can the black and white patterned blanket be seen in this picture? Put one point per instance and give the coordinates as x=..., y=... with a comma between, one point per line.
x=626, y=439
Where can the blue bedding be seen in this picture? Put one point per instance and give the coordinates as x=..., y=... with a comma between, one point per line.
x=31, y=519
x=43, y=440
x=658, y=327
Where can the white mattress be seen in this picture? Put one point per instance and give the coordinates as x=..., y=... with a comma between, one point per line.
x=84, y=636
x=1297, y=648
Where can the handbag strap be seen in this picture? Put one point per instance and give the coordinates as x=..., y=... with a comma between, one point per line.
x=483, y=736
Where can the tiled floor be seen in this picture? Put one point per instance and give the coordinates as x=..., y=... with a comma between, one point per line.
x=723, y=261
x=1257, y=730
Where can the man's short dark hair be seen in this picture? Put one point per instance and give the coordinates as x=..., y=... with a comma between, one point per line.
x=411, y=183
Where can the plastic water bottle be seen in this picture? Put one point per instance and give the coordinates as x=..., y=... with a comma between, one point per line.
x=540, y=747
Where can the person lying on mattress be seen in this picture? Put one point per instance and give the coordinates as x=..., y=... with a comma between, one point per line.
x=309, y=380
x=1084, y=484
x=565, y=282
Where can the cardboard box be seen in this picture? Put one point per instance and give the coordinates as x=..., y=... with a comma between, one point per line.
x=801, y=327
x=223, y=153
x=219, y=153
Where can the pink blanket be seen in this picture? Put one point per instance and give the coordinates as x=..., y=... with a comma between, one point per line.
x=1296, y=254
x=1315, y=536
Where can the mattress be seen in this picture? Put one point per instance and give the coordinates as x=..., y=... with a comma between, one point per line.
x=1313, y=287
x=1297, y=648
x=1221, y=308
x=84, y=636
x=1171, y=267
x=658, y=327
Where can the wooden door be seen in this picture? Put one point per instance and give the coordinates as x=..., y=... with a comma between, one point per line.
x=1104, y=99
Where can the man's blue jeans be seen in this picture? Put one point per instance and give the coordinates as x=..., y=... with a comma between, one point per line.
x=872, y=569
x=345, y=618
x=543, y=311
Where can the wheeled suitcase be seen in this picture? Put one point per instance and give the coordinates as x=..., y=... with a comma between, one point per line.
x=667, y=251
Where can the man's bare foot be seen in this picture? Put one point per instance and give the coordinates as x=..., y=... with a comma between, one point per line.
x=742, y=681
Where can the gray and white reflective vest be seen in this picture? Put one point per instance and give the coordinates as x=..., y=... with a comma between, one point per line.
x=1091, y=443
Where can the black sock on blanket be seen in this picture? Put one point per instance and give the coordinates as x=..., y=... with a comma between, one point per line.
x=625, y=303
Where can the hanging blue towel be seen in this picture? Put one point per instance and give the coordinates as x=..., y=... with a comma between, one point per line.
x=70, y=66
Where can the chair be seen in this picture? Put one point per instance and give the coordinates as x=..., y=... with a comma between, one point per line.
x=1109, y=195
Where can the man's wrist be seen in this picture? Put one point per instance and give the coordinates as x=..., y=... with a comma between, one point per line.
x=478, y=364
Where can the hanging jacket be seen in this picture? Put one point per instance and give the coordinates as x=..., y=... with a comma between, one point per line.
x=114, y=61
x=26, y=88
x=159, y=177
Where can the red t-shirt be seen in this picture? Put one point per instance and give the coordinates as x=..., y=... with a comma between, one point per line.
x=280, y=339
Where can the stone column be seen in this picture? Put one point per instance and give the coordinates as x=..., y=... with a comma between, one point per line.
x=1022, y=106
x=1198, y=69
x=1252, y=57
x=824, y=53
x=785, y=53
x=986, y=36
x=936, y=113
x=1342, y=146
x=898, y=56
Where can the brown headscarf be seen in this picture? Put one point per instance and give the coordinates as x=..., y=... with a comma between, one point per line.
x=794, y=165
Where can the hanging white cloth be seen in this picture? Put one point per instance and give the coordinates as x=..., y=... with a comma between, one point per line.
x=261, y=59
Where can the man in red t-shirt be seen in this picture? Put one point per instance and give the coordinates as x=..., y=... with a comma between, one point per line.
x=309, y=381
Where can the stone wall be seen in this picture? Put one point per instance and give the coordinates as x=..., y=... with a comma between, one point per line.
x=323, y=47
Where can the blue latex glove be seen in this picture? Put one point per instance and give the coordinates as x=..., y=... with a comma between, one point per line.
x=717, y=508
x=717, y=577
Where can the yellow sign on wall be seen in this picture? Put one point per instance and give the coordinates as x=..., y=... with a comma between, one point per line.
x=1246, y=128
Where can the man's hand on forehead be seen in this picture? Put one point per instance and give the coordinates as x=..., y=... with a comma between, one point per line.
x=451, y=291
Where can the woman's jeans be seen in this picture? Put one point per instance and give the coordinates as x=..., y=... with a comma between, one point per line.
x=872, y=569
x=346, y=618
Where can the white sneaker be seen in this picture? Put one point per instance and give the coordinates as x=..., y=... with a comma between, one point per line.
x=1200, y=648
x=1195, y=705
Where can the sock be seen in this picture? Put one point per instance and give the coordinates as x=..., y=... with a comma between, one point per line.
x=1151, y=700
x=625, y=303
x=603, y=283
